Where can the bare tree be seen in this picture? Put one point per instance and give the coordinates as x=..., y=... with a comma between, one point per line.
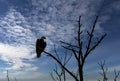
x=103, y=71
x=98, y=79
x=58, y=70
x=51, y=74
x=8, y=76
x=116, y=75
x=58, y=73
x=15, y=79
x=78, y=52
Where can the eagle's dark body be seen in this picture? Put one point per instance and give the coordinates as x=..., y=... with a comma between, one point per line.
x=40, y=46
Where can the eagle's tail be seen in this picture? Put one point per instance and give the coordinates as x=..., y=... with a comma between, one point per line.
x=39, y=52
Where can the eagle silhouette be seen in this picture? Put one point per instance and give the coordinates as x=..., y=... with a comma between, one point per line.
x=40, y=46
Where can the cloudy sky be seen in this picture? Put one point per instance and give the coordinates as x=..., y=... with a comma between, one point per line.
x=23, y=21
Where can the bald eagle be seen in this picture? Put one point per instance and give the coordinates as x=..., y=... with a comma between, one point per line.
x=40, y=45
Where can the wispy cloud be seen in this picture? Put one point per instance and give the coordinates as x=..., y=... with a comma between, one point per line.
x=57, y=19
x=17, y=42
x=15, y=29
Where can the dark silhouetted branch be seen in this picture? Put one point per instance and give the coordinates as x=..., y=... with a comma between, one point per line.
x=93, y=47
x=52, y=77
x=116, y=75
x=69, y=45
x=104, y=70
x=15, y=79
x=8, y=76
x=61, y=65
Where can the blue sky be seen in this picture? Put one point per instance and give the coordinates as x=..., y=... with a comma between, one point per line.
x=23, y=21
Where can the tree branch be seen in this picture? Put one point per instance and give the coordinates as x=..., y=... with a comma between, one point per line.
x=93, y=47
x=70, y=45
x=116, y=75
x=52, y=76
x=61, y=65
x=90, y=37
x=104, y=70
